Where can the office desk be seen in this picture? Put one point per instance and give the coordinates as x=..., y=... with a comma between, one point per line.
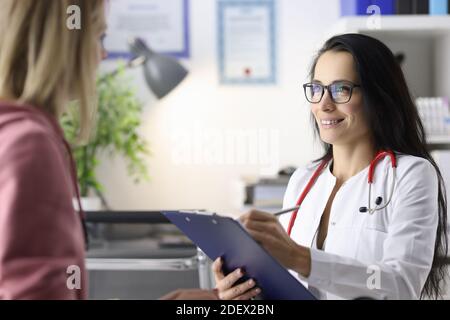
x=140, y=267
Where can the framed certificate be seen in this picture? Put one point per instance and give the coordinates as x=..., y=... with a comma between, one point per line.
x=247, y=41
x=162, y=24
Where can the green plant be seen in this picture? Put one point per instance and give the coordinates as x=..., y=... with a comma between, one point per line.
x=118, y=118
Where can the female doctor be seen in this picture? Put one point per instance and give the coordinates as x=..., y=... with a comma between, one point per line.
x=351, y=238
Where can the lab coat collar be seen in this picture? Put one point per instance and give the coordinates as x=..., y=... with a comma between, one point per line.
x=328, y=182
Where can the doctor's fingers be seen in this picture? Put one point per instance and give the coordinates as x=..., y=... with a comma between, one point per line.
x=268, y=241
x=243, y=291
x=271, y=227
x=256, y=215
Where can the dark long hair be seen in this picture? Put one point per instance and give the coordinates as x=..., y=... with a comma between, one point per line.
x=394, y=122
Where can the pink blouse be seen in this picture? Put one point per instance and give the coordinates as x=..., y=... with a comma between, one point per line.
x=41, y=238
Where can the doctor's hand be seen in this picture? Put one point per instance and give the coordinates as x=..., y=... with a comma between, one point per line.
x=226, y=286
x=267, y=230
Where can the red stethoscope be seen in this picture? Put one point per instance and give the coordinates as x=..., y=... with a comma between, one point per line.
x=380, y=155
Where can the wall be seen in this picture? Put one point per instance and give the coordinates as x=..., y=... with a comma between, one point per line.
x=200, y=116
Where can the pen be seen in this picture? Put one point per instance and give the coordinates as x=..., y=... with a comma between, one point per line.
x=286, y=211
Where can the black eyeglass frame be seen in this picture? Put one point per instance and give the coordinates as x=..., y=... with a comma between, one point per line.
x=349, y=83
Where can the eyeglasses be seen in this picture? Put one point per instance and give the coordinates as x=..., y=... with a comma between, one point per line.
x=340, y=91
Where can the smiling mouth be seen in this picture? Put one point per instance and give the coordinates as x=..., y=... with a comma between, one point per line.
x=331, y=122
x=328, y=124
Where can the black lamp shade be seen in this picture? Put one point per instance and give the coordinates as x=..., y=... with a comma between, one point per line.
x=162, y=73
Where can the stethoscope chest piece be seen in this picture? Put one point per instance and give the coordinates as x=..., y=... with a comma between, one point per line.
x=379, y=199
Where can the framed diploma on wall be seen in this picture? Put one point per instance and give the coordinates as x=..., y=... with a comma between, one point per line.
x=162, y=24
x=247, y=41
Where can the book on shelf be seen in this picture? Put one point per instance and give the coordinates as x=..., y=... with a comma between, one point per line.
x=395, y=7
x=360, y=7
x=439, y=7
x=354, y=7
x=387, y=7
x=403, y=7
x=421, y=7
x=414, y=6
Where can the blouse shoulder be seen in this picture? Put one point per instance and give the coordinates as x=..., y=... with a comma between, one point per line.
x=26, y=131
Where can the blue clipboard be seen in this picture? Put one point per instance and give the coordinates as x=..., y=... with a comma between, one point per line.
x=225, y=237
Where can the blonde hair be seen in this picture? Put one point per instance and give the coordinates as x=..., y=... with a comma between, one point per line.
x=45, y=64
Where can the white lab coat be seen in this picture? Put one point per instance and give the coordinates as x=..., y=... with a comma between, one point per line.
x=396, y=243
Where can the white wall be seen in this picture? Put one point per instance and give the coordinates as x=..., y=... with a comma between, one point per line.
x=201, y=106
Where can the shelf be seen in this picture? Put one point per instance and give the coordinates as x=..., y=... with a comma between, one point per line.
x=439, y=140
x=424, y=39
x=414, y=25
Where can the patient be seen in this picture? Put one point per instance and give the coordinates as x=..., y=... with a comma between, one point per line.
x=43, y=65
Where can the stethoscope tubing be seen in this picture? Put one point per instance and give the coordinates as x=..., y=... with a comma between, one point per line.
x=380, y=155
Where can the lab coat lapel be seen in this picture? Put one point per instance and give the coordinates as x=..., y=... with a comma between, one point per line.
x=321, y=190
